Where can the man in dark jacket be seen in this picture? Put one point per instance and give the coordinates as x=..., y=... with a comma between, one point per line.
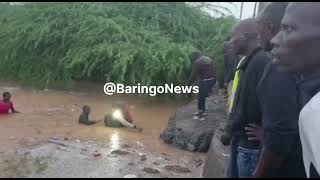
x=203, y=69
x=296, y=47
x=280, y=112
x=246, y=109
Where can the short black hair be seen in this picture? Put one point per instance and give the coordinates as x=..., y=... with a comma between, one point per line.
x=195, y=55
x=274, y=13
x=85, y=107
x=5, y=94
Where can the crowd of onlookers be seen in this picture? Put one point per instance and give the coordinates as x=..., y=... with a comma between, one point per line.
x=273, y=77
x=272, y=71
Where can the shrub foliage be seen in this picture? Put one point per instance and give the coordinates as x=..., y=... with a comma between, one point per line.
x=48, y=44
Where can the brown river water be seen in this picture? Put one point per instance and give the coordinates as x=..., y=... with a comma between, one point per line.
x=54, y=113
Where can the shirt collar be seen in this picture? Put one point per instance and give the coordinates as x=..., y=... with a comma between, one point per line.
x=245, y=60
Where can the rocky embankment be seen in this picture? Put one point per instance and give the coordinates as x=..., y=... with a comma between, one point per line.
x=187, y=133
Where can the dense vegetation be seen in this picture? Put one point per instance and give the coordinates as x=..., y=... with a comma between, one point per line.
x=50, y=44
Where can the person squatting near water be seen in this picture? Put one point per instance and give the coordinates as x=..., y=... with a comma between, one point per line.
x=120, y=117
x=203, y=69
x=6, y=104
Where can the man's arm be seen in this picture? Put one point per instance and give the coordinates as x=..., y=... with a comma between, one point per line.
x=268, y=164
x=13, y=109
x=194, y=73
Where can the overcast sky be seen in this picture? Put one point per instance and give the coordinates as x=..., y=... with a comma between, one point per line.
x=247, y=12
x=248, y=8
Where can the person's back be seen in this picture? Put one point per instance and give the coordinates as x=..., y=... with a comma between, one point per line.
x=120, y=117
x=110, y=121
x=202, y=68
x=5, y=107
x=206, y=69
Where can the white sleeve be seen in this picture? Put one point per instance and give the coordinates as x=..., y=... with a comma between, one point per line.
x=309, y=131
x=118, y=115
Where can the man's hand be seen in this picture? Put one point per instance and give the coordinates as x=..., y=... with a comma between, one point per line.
x=225, y=139
x=254, y=132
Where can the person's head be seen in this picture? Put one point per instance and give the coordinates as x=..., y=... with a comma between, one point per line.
x=297, y=44
x=244, y=37
x=269, y=23
x=86, y=109
x=227, y=45
x=195, y=55
x=118, y=106
x=6, y=96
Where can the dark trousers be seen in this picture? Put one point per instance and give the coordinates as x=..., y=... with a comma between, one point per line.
x=205, y=88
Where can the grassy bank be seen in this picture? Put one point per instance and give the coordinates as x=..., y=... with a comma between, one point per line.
x=52, y=44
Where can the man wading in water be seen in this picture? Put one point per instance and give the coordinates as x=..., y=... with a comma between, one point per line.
x=84, y=117
x=202, y=68
x=6, y=104
x=120, y=117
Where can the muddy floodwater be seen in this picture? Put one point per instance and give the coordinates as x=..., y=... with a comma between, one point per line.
x=54, y=114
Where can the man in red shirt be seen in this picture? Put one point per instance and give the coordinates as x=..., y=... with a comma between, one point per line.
x=6, y=104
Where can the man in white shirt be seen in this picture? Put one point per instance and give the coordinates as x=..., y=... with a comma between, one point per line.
x=120, y=117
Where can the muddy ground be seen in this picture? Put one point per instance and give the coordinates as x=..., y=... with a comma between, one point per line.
x=59, y=158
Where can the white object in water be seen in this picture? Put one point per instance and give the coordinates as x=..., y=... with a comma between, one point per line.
x=54, y=109
x=11, y=88
x=130, y=176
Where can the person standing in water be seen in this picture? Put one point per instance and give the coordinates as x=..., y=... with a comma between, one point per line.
x=120, y=117
x=6, y=104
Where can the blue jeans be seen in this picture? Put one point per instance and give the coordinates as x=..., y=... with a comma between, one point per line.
x=247, y=161
x=204, y=90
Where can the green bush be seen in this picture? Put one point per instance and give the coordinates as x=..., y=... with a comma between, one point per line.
x=46, y=44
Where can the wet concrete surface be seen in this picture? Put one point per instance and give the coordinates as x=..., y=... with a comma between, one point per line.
x=217, y=157
x=58, y=158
